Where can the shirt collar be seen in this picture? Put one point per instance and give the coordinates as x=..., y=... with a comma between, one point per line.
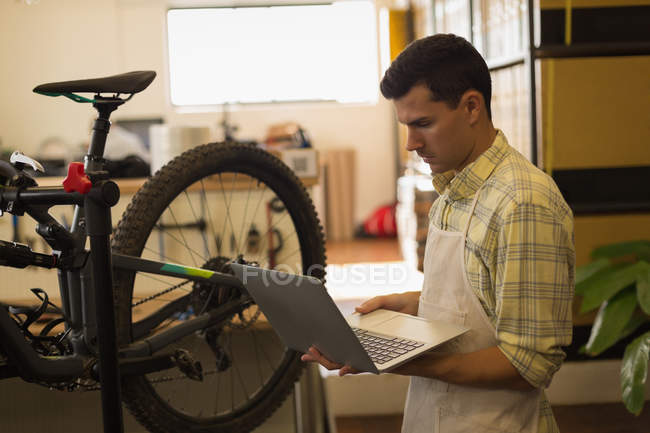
x=471, y=178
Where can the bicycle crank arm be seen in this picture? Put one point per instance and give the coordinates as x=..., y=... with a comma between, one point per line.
x=148, y=364
x=149, y=346
x=151, y=364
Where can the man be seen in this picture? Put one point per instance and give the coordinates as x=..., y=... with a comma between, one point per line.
x=499, y=256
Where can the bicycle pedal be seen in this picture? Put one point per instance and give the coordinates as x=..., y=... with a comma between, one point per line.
x=188, y=365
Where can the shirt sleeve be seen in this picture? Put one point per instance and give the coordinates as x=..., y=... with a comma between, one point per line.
x=534, y=290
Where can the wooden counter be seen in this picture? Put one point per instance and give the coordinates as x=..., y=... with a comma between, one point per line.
x=132, y=185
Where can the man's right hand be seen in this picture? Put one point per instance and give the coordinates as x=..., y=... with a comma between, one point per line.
x=401, y=302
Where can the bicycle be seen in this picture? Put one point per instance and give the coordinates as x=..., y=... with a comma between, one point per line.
x=153, y=316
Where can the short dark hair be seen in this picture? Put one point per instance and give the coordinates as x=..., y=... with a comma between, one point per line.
x=447, y=64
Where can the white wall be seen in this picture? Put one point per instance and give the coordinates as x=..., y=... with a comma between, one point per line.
x=74, y=39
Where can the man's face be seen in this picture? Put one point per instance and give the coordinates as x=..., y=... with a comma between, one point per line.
x=441, y=136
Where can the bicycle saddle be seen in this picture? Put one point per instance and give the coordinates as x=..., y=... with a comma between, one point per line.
x=130, y=82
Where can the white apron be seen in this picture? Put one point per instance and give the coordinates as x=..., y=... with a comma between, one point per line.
x=433, y=406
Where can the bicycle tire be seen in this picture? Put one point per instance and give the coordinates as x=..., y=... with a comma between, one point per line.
x=158, y=195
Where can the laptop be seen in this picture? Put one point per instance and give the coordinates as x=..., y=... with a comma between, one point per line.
x=304, y=315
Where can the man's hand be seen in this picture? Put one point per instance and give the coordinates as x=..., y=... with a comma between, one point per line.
x=401, y=302
x=315, y=356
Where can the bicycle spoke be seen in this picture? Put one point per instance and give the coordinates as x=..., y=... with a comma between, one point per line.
x=241, y=381
x=185, y=240
x=257, y=358
x=205, y=240
x=269, y=231
x=183, y=243
x=162, y=256
x=266, y=356
x=211, y=221
x=243, y=223
x=228, y=209
x=293, y=253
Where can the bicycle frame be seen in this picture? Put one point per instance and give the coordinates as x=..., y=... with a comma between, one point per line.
x=86, y=287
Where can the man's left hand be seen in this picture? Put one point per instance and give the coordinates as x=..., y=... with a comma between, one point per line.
x=313, y=355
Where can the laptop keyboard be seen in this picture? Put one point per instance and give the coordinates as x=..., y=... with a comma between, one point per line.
x=384, y=349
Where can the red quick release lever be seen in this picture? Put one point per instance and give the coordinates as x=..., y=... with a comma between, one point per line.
x=77, y=179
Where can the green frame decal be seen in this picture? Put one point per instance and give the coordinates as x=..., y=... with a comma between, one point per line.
x=184, y=270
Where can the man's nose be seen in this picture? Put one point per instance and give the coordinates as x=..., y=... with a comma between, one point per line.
x=413, y=141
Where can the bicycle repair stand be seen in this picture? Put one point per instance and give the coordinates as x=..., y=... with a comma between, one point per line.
x=102, y=195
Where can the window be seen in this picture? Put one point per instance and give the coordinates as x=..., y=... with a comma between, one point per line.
x=273, y=54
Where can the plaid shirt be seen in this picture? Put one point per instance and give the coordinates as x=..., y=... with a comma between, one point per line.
x=519, y=257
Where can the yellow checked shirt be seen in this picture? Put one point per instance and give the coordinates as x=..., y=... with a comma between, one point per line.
x=519, y=256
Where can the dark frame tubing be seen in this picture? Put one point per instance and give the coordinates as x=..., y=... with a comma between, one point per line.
x=41, y=195
x=98, y=229
x=139, y=356
x=131, y=263
x=148, y=346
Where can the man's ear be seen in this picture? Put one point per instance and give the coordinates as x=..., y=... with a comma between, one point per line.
x=472, y=102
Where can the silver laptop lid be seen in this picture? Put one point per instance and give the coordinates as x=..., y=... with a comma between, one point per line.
x=304, y=315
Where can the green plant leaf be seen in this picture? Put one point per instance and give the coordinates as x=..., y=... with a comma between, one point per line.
x=639, y=248
x=643, y=290
x=585, y=271
x=634, y=371
x=636, y=320
x=611, y=320
x=585, y=285
x=610, y=284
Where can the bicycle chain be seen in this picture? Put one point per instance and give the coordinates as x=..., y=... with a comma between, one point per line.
x=244, y=324
x=164, y=292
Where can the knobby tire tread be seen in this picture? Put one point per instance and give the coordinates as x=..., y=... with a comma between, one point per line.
x=157, y=192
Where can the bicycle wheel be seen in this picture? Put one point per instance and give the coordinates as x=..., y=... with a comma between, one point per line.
x=205, y=208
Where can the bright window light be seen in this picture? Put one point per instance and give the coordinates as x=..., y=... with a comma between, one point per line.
x=273, y=54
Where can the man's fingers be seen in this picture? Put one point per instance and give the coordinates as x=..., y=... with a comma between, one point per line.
x=347, y=370
x=370, y=305
x=314, y=355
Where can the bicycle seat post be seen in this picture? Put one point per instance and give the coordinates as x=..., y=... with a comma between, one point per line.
x=95, y=156
x=97, y=208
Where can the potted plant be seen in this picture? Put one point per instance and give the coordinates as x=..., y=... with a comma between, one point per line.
x=617, y=282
